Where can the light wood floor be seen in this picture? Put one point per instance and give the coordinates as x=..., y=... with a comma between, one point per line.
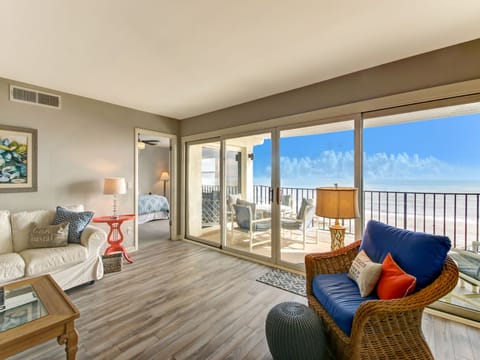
x=179, y=300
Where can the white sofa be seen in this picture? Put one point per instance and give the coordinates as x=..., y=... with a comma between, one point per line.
x=70, y=265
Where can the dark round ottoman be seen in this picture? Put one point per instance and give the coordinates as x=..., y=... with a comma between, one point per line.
x=294, y=331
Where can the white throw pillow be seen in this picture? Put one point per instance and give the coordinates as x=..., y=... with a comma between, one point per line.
x=365, y=273
x=23, y=222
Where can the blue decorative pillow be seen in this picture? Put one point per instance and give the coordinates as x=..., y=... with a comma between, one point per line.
x=419, y=254
x=77, y=220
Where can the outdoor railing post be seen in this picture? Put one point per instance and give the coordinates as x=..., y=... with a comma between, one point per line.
x=405, y=210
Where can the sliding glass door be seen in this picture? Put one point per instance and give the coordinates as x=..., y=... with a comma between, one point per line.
x=311, y=157
x=235, y=200
x=204, y=192
x=248, y=195
x=421, y=172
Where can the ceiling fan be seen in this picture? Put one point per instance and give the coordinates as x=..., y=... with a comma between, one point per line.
x=148, y=141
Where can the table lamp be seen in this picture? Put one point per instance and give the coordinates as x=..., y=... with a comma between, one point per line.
x=337, y=203
x=164, y=177
x=114, y=186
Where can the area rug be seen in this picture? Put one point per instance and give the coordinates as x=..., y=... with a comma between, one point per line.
x=285, y=280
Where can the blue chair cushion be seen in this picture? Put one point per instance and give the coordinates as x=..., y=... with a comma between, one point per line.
x=262, y=226
x=290, y=224
x=247, y=203
x=340, y=297
x=419, y=254
x=468, y=262
x=243, y=215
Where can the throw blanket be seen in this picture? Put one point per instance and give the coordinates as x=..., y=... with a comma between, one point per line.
x=152, y=203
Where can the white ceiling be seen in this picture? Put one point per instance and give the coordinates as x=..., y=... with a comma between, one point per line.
x=181, y=58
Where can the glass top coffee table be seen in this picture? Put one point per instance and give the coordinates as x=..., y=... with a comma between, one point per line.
x=33, y=311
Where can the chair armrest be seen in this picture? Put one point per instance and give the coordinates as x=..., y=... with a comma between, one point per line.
x=261, y=220
x=337, y=261
x=93, y=238
x=290, y=217
x=375, y=314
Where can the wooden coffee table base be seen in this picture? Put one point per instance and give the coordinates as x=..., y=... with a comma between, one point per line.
x=59, y=323
x=70, y=340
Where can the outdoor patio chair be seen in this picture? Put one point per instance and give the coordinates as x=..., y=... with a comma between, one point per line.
x=468, y=263
x=368, y=327
x=302, y=220
x=247, y=222
x=287, y=202
x=232, y=199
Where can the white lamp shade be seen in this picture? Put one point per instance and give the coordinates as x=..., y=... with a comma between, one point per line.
x=113, y=186
x=164, y=176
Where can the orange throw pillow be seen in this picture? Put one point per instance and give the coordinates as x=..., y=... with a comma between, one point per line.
x=394, y=283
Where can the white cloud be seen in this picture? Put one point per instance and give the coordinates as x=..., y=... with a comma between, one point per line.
x=404, y=166
x=338, y=167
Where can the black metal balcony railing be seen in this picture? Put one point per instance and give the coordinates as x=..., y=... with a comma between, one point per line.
x=456, y=215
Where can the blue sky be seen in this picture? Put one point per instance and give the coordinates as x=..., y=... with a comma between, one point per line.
x=434, y=152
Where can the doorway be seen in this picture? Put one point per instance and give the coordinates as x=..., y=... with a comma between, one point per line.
x=153, y=190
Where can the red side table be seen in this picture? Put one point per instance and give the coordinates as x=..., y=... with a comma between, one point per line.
x=115, y=236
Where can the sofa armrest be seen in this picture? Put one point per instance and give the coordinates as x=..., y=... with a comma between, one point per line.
x=93, y=238
x=337, y=261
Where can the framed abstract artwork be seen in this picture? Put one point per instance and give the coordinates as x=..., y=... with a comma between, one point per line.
x=18, y=159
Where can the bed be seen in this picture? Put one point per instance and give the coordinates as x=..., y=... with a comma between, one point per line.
x=152, y=207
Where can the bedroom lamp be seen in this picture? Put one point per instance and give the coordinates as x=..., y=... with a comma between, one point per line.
x=164, y=177
x=337, y=203
x=114, y=186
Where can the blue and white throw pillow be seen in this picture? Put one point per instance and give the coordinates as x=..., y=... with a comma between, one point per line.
x=78, y=222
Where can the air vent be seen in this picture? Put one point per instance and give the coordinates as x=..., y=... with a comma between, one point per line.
x=34, y=97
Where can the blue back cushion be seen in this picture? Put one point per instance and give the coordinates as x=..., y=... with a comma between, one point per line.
x=419, y=254
x=243, y=215
x=340, y=297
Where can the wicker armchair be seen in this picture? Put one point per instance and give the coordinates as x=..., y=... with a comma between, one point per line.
x=381, y=329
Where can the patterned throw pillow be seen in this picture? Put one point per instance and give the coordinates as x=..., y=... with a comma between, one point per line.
x=49, y=236
x=78, y=221
x=365, y=273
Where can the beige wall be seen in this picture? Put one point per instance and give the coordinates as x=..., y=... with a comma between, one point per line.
x=78, y=145
x=152, y=161
x=445, y=66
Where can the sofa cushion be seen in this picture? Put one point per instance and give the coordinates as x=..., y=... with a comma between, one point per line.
x=6, y=244
x=340, y=297
x=12, y=267
x=47, y=260
x=78, y=221
x=49, y=236
x=22, y=224
x=418, y=254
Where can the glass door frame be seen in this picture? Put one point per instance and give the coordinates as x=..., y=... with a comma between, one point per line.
x=185, y=223
x=224, y=244
x=358, y=182
x=275, y=258
x=440, y=308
